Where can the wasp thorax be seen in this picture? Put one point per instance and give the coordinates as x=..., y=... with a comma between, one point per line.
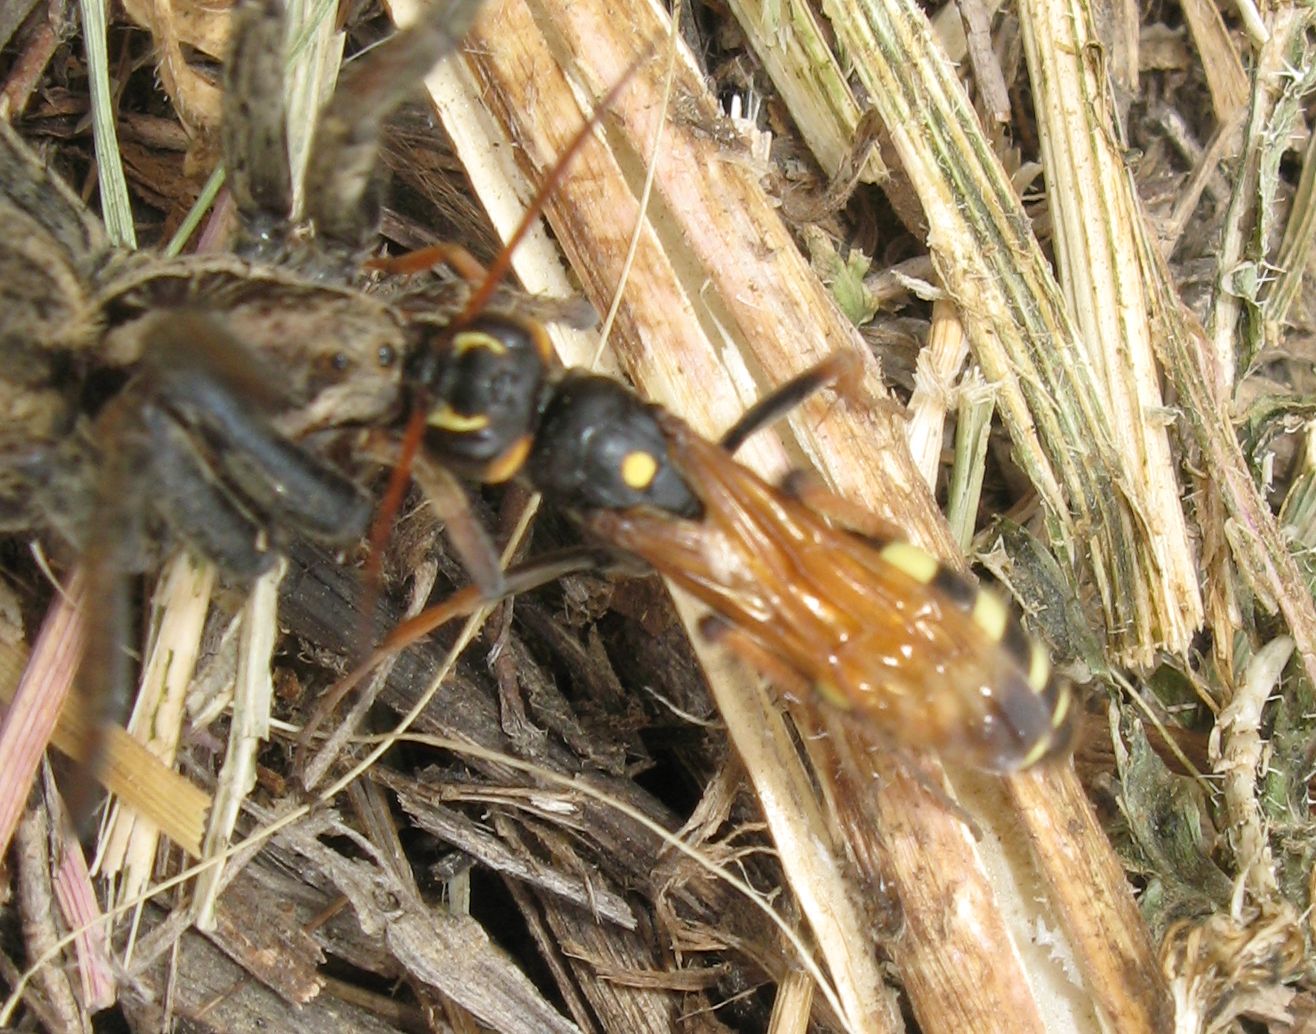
x=601, y=447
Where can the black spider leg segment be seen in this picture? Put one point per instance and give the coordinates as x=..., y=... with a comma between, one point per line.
x=142, y=436
x=197, y=508
x=190, y=440
x=254, y=130
x=213, y=385
x=112, y=552
x=341, y=171
x=782, y=399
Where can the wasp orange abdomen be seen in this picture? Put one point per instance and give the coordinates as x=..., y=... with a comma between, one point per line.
x=1002, y=705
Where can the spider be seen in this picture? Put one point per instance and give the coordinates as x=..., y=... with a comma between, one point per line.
x=138, y=400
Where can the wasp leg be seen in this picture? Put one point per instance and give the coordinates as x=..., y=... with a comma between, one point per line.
x=451, y=505
x=522, y=578
x=463, y=603
x=340, y=187
x=211, y=383
x=833, y=371
x=467, y=535
x=254, y=133
x=805, y=486
x=454, y=256
x=576, y=312
x=722, y=633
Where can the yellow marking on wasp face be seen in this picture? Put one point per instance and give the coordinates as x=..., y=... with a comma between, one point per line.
x=1037, y=753
x=445, y=418
x=512, y=460
x=832, y=695
x=468, y=340
x=990, y=615
x=1039, y=668
x=1064, y=698
x=638, y=469
x=916, y=563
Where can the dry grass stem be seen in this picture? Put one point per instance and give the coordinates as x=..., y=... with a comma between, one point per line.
x=128, y=845
x=45, y=714
x=1223, y=68
x=791, y=42
x=1111, y=303
x=36, y=902
x=253, y=697
x=939, y=365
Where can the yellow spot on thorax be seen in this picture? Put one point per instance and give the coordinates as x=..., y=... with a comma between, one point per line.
x=638, y=469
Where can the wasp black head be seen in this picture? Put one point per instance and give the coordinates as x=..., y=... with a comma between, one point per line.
x=601, y=447
x=482, y=383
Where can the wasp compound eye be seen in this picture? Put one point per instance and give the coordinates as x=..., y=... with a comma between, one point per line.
x=600, y=447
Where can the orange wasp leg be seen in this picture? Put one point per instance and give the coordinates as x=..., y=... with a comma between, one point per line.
x=454, y=256
x=805, y=486
x=720, y=632
x=463, y=603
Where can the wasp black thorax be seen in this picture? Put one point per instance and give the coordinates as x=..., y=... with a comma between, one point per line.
x=600, y=446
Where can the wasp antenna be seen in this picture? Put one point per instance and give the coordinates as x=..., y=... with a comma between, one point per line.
x=503, y=261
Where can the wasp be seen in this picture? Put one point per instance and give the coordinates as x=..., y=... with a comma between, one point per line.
x=491, y=402
x=872, y=624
